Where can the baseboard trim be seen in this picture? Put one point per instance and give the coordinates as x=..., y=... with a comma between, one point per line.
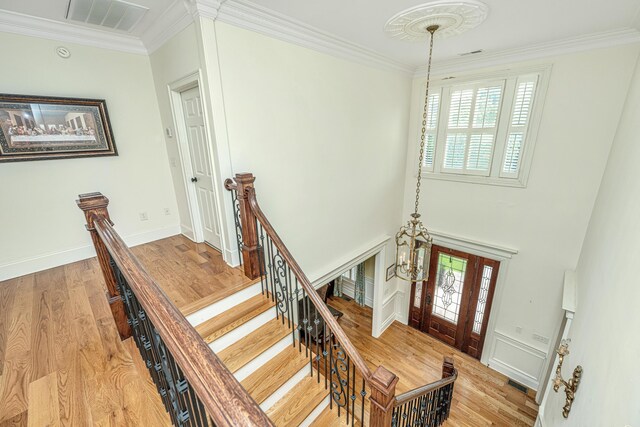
x=187, y=232
x=55, y=259
x=349, y=290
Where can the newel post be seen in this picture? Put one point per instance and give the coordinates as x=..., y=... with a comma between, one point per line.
x=447, y=367
x=95, y=205
x=383, y=397
x=250, y=258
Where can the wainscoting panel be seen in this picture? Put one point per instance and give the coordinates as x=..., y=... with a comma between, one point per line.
x=517, y=360
x=348, y=289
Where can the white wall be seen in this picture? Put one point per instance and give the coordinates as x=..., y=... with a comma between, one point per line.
x=42, y=227
x=174, y=60
x=325, y=137
x=604, y=332
x=546, y=221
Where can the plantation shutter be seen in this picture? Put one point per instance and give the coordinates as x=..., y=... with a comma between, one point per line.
x=518, y=125
x=431, y=130
x=471, y=128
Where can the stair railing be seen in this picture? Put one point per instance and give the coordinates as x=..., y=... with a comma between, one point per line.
x=313, y=326
x=196, y=388
x=428, y=405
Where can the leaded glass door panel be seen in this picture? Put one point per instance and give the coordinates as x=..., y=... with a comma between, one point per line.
x=454, y=304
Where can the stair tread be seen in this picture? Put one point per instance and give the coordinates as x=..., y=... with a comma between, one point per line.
x=298, y=403
x=215, y=297
x=228, y=320
x=273, y=374
x=329, y=418
x=248, y=348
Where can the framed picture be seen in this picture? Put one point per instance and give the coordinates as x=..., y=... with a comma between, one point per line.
x=41, y=128
x=391, y=272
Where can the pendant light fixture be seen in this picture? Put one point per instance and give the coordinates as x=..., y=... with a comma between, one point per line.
x=413, y=242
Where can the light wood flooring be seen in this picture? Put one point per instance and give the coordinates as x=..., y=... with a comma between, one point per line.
x=481, y=395
x=193, y=275
x=61, y=361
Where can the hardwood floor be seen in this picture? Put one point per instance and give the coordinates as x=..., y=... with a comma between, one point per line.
x=193, y=275
x=481, y=395
x=61, y=361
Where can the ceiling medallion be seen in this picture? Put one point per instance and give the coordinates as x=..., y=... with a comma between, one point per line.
x=453, y=17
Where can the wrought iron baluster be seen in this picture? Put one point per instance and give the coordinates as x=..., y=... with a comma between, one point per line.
x=316, y=323
x=330, y=373
x=271, y=272
x=324, y=353
x=308, y=333
x=363, y=393
x=300, y=315
x=353, y=395
x=289, y=297
x=236, y=220
x=260, y=249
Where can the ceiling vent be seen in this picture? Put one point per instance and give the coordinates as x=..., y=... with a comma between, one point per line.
x=113, y=14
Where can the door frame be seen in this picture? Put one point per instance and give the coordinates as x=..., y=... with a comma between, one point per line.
x=485, y=250
x=379, y=250
x=466, y=296
x=175, y=100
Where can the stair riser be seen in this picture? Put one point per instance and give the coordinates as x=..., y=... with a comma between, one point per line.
x=284, y=389
x=316, y=412
x=223, y=305
x=243, y=330
x=263, y=358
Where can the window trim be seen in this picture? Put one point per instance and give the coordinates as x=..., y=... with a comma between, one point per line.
x=496, y=175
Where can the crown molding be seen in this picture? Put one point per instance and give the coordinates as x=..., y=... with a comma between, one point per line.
x=250, y=16
x=26, y=25
x=175, y=19
x=204, y=8
x=542, y=50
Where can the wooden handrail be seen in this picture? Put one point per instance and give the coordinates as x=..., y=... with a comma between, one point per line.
x=425, y=389
x=303, y=280
x=225, y=400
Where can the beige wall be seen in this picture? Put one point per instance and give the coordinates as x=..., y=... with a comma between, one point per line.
x=604, y=332
x=325, y=137
x=42, y=227
x=547, y=220
x=174, y=60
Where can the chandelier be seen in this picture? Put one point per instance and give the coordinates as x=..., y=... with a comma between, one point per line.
x=413, y=242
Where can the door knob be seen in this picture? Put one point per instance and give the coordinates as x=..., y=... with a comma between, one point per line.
x=194, y=179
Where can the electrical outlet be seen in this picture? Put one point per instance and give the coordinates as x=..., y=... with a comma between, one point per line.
x=173, y=162
x=541, y=339
x=518, y=329
x=144, y=216
x=167, y=211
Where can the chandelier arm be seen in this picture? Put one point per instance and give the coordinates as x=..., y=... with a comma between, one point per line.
x=432, y=29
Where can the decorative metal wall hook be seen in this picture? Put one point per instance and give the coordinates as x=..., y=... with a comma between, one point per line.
x=571, y=386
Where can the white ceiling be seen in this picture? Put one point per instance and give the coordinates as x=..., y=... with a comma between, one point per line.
x=511, y=24
x=57, y=9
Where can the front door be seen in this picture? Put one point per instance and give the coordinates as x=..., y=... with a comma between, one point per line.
x=454, y=304
x=202, y=178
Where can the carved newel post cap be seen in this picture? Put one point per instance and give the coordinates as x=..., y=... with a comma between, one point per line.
x=93, y=204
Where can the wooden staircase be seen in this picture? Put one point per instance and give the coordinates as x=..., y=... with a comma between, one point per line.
x=264, y=354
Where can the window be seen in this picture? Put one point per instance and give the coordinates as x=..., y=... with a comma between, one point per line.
x=483, y=129
x=351, y=274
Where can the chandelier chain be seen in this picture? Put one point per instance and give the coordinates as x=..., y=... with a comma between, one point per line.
x=431, y=31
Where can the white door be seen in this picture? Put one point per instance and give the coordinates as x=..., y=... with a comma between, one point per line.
x=202, y=178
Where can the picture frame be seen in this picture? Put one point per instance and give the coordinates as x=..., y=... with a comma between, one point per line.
x=45, y=128
x=391, y=272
